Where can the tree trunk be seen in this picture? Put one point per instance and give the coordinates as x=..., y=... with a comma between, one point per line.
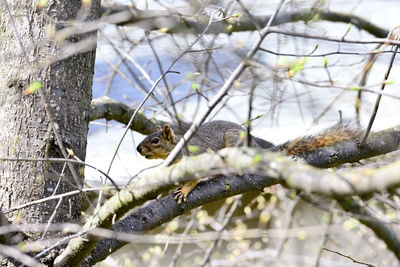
x=26, y=130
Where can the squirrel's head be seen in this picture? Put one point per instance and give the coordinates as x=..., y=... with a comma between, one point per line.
x=159, y=144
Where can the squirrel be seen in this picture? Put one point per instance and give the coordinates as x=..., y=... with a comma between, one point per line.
x=215, y=135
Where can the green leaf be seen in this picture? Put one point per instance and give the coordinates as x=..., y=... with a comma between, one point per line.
x=257, y=158
x=325, y=61
x=33, y=87
x=355, y=88
x=192, y=75
x=247, y=122
x=195, y=87
x=193, y=149
x=348, y=28
x=165, y=30
x=389, y=82
x=296, y=66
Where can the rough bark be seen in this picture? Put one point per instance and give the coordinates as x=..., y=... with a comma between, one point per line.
x=26, y=130
x=157, y=212
x=378, y=143
x=111, y=109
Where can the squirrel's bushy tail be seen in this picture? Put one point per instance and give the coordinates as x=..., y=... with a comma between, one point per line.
x=344, y=130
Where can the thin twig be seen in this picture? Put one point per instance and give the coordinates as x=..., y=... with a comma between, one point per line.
x=349, y=257
x=169, y=93
x=222, y=92
x=178, y=251
x=228, y=217
x=373, y=53
x=62, y=241
x=255, y=22
x=378, y=99
x=14, y=253
x=52, y=217
x=61, y=160
x=336, y=39
x=326, y=235
x=35, y=202
x=289, y=223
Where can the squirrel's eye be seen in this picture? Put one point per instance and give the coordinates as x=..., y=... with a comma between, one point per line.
x=155, y=141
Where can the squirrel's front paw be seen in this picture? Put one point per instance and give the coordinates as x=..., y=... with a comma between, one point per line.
x=182, y=192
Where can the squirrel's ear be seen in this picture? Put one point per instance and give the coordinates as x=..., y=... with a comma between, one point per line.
x=157, y=128
x=168, y=134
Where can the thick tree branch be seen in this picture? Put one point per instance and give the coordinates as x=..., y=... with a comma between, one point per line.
x=157, y=20
x=230, y=161
x=111, y=109
x=378, y=143
x=157, y=212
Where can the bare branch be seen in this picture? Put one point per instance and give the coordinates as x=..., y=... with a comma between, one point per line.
x=156, y=20
x=110, y=109
x=378, y=143
x=163, y=210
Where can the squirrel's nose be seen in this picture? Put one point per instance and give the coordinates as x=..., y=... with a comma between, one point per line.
x=139, y=149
